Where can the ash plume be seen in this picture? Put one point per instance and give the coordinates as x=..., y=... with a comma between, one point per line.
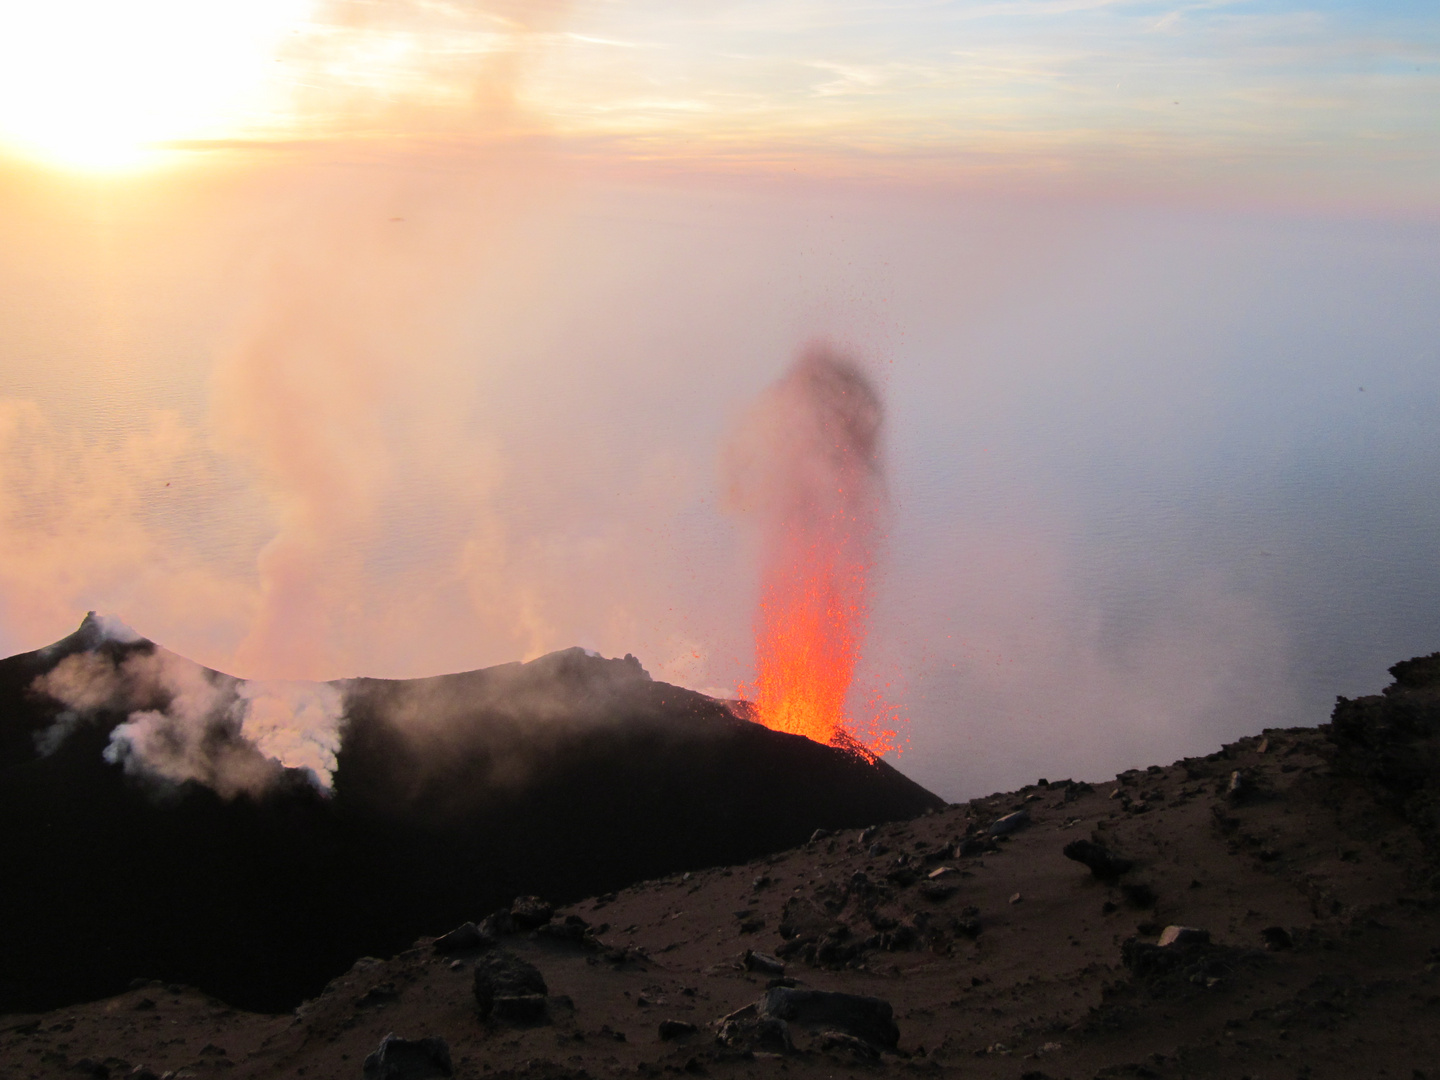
x=807, y=457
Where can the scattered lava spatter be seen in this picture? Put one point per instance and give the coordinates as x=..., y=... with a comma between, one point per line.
x=808, y=467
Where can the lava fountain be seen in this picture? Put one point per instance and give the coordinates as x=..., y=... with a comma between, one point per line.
x=806, y=467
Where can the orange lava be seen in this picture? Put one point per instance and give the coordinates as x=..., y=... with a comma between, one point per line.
x=811, y=624
x=807, y=466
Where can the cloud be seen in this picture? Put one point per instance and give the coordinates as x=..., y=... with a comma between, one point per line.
x=84, y=522
x=410, y=67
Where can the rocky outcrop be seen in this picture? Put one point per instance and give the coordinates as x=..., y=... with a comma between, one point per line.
x=1391, y=742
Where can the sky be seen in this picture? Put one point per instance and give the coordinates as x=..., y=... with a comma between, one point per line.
x=406, y=336
x=1270, y=98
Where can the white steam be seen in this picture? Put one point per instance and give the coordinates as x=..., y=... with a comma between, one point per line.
x=187, y=723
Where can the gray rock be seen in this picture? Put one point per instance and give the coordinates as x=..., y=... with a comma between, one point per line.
x=762, y=963
x=409, y=1059
x=1010, y=823
x=867, y=1018
x=502, y=977
x=676, y=1029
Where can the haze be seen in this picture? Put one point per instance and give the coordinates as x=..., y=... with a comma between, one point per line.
x=396, y=338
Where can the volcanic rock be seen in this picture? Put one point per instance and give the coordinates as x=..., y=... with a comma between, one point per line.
x=1103, y=863
x=839, y=1040
x=802, y=921
x=509, y=988
x=530, y=912
x=571, y=930
x=746, y=1030
x=972, y=847
x=761, y=963
x=676, y=1029
x=867, y=1018
x=408, y=1059
x=1010, y=823
x=496, y=925
x=463, y=937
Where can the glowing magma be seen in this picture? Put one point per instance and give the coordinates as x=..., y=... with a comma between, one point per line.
x=807, y=465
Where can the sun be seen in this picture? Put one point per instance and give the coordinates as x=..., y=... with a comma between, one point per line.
x=101, y=85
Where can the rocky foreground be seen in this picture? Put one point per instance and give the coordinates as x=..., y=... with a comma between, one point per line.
x=1267, y=911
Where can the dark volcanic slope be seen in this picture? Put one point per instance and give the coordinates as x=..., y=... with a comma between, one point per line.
x=567, y=776
x=1306, y=859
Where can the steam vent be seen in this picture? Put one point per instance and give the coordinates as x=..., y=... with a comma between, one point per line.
x=564, y=777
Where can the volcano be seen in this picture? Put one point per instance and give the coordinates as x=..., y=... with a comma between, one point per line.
x=567, y=776
x=1271, y=909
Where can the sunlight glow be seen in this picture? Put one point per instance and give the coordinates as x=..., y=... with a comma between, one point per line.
x=95, y=85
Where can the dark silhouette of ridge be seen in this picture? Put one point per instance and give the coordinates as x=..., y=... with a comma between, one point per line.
x=565, y=777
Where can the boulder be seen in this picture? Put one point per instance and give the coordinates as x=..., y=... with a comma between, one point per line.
x=1103, y=863
x=530, y=912
x=408, y=1059
x=867, y=1018
x=571, y=930
x=762, y=963
x=676, y=1029
x=509, y=988
x=746, y=1030
x=1010, y=823
x=462, y=938
x=496, y=925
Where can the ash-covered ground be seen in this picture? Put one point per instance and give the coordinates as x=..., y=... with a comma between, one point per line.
x=1267, y=911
